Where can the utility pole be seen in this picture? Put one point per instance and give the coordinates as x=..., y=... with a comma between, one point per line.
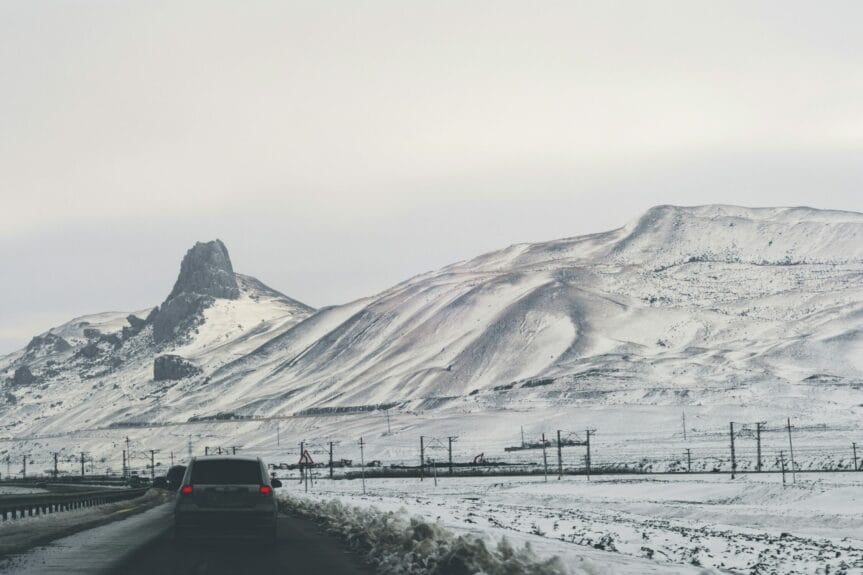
x=331, y=459
x=24, y=471
x=758, y=427
x=125, y=473
x=82, y=464
x=172, y=458
x=559, y=458
x=206, y=450
x=303, y=465
x=791, y=451
x=363, y=464
x=55, y=465
x=782, y=463
x=389, y=431
x=544, y=459
x=733, y=459
x=854, y=447
x=128, y=458
x=278, y=435
x=688, y=460
x=684, y=425
x=449, y=452
x=422, y=457
x=152, y=465
x=522, y=437
x=589, y=433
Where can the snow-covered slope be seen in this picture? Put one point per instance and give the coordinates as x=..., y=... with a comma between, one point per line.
x=683, y=297
x=676, y=307
x=103, y=369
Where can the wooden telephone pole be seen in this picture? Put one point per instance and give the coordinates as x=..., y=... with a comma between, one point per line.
x=422, y=457
x=733, y=459
x=559, y=458
x=587, y=459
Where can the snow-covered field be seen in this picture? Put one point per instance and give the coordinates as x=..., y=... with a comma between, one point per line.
x=674, y=524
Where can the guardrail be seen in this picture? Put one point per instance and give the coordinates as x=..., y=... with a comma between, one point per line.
x=33, y=504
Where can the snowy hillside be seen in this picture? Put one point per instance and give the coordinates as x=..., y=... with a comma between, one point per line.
x=686, y=298
x=678, y=307
x=113, y=367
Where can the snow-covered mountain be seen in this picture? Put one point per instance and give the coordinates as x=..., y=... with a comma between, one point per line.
x=690, y=305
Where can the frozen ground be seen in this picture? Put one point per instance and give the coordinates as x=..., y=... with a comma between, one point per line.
x=752, y=525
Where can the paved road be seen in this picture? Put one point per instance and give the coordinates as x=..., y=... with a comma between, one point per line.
x=302, y=548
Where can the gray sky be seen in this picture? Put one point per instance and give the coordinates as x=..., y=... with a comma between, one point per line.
x=340, y=147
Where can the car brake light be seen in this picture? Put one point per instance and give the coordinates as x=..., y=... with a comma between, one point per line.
x=186, y=490
x=266, y=490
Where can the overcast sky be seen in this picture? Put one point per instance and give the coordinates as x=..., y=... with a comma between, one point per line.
x=340, y=147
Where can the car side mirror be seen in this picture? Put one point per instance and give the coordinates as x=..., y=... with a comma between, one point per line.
x=275, y=483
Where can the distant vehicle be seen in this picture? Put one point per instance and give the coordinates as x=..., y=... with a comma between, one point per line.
x=226, y=496
x=175, y=477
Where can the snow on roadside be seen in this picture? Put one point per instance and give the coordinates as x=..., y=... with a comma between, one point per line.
x=672, y=524
x=96, y=550
x=18, y=535
x=401, y=545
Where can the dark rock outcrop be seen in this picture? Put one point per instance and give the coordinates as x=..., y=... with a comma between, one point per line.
x=49, y=343
x=179, y=315
x=136, y=324
x=92, y=333
x=206, y=273
x=173, y=367
x=23, y=376
x=206, y=270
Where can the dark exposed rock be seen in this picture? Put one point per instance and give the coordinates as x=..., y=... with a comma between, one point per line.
x=206, y=273
x=92, y=333
x=23, y=376
x=136, y=324
x=90, y=350
x=179, y=315
x=173, y=367
x=48, y=342
x=206, y=270
x=10, y=398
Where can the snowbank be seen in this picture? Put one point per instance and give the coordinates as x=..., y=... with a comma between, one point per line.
x=398, y=544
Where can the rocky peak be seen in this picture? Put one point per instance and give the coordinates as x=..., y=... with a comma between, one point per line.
x=206, y=274
x=206, y=270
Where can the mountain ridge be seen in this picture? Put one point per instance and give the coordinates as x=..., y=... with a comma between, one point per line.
x=697, y=297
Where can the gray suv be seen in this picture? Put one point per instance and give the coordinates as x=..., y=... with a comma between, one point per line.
x=228, y=496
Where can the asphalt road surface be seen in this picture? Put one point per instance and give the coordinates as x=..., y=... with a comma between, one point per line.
x=302, y=548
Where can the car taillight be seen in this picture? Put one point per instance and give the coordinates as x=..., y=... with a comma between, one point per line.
x=266, y=490
x=186, y=490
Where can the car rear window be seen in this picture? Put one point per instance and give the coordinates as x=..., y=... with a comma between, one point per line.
x=225, y=472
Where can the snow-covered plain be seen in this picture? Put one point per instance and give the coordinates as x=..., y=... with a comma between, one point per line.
x=626, y=524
